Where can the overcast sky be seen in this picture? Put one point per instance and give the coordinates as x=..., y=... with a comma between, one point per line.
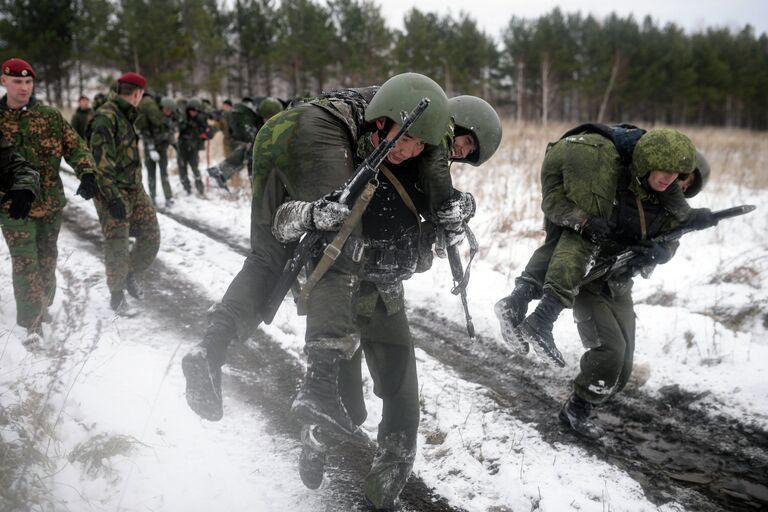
x=494, y=15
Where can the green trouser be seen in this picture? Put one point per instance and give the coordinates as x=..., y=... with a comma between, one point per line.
x=162, y=150
x=189, y=155
x=605, y=316
x=140, y=223
x=570, y=258
x=32, y=246
x=536, y=268
x=389, y=353
x=236, y=159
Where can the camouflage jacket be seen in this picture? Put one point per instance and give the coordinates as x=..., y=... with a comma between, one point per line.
x=80, y=120
x=191, y=128
x=42, y=137
x=151, y=122
x=115, y=146
x=15, y=172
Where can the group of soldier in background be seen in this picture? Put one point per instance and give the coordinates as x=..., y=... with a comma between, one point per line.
x=605, y=189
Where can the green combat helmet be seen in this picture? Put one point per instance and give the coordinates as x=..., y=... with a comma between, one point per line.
x=269, y=106
x=195, y=104
x=700, y=176
x=168, y=103
x=477, y=116
x=400, y=94
x=663, y=149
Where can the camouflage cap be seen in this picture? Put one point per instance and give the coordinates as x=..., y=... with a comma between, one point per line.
x=663, y=149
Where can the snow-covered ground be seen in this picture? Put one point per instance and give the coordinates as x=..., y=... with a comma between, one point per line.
x=110, y=429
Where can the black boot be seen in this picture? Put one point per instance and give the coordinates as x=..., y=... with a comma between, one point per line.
x=318, y=401
x=199, y=186
x=312, y=458
x=575, y=414
x=202, y=371
x=511, y=310
x=120, y=305
x=536, y=329
x=215, y=173
x=134, y=287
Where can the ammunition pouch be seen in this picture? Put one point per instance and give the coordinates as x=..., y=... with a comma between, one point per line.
x=389, y=261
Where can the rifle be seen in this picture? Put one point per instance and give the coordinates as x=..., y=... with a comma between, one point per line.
x=461, y=277
x=624, y=259
x=365, y=173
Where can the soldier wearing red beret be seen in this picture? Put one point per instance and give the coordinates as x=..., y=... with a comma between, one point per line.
x=42, y=137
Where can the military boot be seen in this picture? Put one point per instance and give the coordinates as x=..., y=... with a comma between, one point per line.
x=34, y=339
x=202, y=371
x=134, y=287
x=312, y=458
x=319, y=401
x=511, y=311
x=120, y=305
x=536, y=329
x=392, y=465
x=199, y=186
x=575, y=414
x=215, y=173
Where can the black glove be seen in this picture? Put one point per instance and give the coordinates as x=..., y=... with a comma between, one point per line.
x=116, y=208
x=596, y=229
x=702, y=218
x=651, y=253
x=88, y=188
x=21, y=203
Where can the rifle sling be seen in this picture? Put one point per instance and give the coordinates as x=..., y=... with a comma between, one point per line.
x=332, y=250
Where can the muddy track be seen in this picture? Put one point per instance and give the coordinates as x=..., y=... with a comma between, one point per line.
x=676, y=452
x=261, y=374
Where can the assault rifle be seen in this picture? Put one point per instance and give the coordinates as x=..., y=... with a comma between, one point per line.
x=366, y=172
x=627, y=257
x=461, y=277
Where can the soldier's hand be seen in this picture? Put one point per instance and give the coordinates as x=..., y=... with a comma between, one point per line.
x=88, y=188
x=651, y=253
x=596, y=229
x=21, y=203
x=702, y=218
x=328, y=215
x=116, y=208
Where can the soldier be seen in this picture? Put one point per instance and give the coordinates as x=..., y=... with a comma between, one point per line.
x=245, y=122
x=193, y=132
x=99, y=100
x=123, y=206
x=82, y=117
x=529, y=285
x=156, y=137
x=42, y=137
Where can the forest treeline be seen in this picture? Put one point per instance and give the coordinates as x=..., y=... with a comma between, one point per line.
x=560, y=66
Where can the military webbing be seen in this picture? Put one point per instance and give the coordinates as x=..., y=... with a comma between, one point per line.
x=332, y=250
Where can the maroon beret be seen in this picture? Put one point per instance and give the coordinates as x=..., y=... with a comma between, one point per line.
x=133, y=79
x=18, y=67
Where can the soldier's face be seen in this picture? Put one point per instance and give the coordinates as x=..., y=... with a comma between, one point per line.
x=658, y=181
x=84, y=103
x=406, y=148
x=19, y=89
x=463, y=146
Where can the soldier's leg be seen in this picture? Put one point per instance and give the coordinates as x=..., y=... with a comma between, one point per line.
x=47, y=253
x=116, y=247
x=234, y=162
x=391, y=361
x=624, y=312
x=163, y=164
x=145, y=228
x=194, y=163
x=28, y=289
x=151, y=177
x=183, y=157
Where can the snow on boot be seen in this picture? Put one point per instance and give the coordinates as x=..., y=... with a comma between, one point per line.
x=215, y=173
x=120, y=305
x=319, y=401
x=536, y=330
x=134, y=287
x=511, y=311
x=575, y=414
x=34, y=339
x=312, y=458
x=203, y=378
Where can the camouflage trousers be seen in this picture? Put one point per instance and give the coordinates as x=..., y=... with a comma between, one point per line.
x=386, y=342
x=32, y=245
x=141, y=223
x=162, y=165
x=605, y=316
x=189, y=156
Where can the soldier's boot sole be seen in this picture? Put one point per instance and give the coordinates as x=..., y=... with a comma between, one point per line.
x=338, y=424
x=312, y=458
x=134, y=288
x=203, y=391
x=543, y=343
x=34, y=340
x=508, y=325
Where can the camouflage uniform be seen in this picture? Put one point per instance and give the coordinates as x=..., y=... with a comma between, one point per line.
x=115, y=148
x=156, y=135
x=15, y=172
x=42, y=137
x=193, y=131
x=81, y=118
